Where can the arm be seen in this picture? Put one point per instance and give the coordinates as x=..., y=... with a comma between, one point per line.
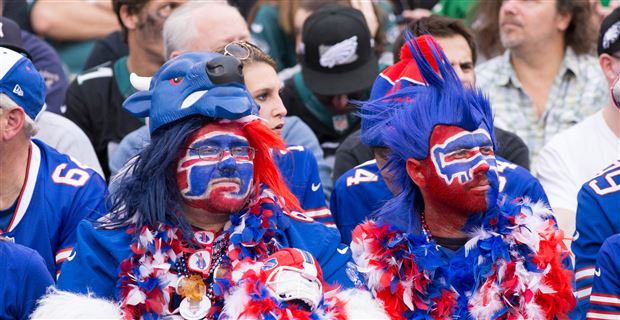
x=605, y=298
x=35, y=282
x=72, y=20
x=93, y=265
x=89, y=203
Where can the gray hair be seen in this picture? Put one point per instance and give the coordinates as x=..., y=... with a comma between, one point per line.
x=6, y=104
x=180, y=30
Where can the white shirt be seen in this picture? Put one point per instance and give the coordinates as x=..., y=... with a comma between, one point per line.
x=571, y=158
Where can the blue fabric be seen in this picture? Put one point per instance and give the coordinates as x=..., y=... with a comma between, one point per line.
x=297, y=133
x=606, y=283
x=187, y=85
x=598, y=217
x=99, y=252
x=47, y=217
x=361, y=191
x=21, y=82
x=23, y=280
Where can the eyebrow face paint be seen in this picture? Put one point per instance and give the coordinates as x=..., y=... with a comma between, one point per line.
x=215, y=185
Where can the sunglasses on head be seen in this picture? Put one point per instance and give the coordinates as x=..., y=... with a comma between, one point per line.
x=239, y=49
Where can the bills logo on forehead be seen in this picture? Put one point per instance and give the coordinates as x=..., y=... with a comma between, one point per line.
x=459, y=156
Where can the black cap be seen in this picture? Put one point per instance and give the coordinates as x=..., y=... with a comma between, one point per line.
x=609, y=36
x=11, y=36
x=337, y=51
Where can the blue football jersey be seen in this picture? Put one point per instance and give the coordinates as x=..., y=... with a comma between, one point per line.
x=23, y=280
x=361, y=191
x=300, y=171
x=605, y=297
x=357, y=193
x=57, y=194
x=598, y=217
x=94, y=265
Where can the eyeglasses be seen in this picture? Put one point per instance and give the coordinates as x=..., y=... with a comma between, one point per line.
x=239, y=49
x=213, y=153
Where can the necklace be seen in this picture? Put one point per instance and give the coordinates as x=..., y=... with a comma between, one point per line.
x=198, y=297
x=425, y=228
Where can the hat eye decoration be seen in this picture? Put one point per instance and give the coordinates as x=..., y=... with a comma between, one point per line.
x=175, y=81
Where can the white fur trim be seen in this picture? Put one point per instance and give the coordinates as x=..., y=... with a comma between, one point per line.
x=58, y=304
x=359, y=304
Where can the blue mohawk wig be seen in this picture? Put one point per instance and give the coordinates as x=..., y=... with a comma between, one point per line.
x=405, y=119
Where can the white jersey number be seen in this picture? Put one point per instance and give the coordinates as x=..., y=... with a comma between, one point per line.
x=360, y=176
x=73, y=177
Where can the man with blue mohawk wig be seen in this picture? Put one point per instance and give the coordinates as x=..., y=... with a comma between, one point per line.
x=449, y=245
x=198, y=229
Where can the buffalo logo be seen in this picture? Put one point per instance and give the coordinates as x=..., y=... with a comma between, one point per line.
x=204, y=237
x=200, y=261
x=450, y=168
x=270, y=264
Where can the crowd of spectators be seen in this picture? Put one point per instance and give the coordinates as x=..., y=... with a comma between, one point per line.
x=549, y=68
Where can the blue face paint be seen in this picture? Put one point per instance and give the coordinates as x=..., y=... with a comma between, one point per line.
x=219, y=183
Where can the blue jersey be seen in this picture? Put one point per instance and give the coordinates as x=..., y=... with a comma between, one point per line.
x=598, y=217
x=300, y=171
x=94, y=265
x=57, y=194
x=605, y=297
x=23, y=280
x=361, y=191
x=357, y=193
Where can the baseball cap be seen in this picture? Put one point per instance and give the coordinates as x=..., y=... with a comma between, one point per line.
x=609, y=36
x=337, y=52
x=11, y=36
x=21, y=81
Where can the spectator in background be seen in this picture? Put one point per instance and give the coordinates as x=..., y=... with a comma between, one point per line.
x=574, y=156
x=72, y=26
x=338, y=65
x=598, y=218
x=110, y=48
x=55, y=130
x=43, y=193
x=545, y=82
x=23, y=280
x=94, y=99
x=458, y=44
x=276, y=26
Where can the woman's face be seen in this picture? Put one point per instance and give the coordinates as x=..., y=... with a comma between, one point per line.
x=264, y=85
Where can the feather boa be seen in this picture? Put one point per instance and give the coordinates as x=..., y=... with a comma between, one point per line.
x=146, y=282
x=511, y=268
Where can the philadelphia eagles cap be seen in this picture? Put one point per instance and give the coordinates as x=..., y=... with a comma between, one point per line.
x=337, y=54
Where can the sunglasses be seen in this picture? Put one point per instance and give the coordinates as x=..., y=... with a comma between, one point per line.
x=239, y=49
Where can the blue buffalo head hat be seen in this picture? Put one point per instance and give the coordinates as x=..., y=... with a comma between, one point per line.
x=21, y=81
x=196, y=83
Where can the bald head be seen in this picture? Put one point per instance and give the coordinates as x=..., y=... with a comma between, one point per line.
x=203, y=26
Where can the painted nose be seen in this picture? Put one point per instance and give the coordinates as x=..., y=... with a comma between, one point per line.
x=481, y=169
x=228, y=163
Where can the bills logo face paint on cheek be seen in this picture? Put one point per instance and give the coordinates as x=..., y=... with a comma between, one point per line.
x=465, y=170
x=215, y=171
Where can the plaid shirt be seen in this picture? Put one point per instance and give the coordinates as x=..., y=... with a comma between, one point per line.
x=579, y=90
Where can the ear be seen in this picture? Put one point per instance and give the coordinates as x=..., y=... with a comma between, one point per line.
x=174, y=54
x=129, y=20
x=138, y=104
x=563, y=20
x=12, y=122
x=415, y=170
x=608, y=65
